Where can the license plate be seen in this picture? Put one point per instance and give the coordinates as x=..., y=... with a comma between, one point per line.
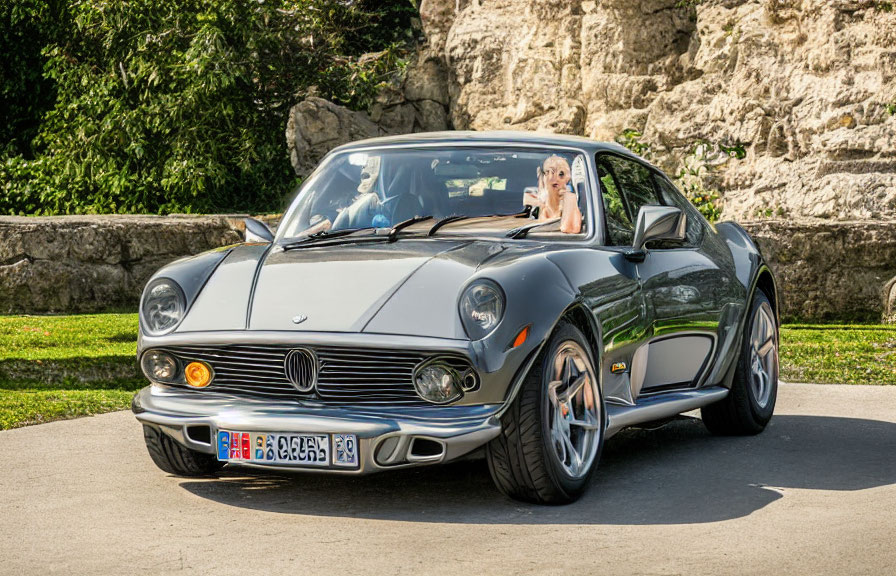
x=323, y=450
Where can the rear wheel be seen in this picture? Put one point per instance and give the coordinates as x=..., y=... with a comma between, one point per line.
x=553, y=432
x=173, y=458
x=751, y=403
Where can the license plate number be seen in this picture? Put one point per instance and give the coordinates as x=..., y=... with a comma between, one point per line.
x=288, y=448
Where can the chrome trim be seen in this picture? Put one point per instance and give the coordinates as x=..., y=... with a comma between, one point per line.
x=277, y=337
x=304, y=375
x=459, y=366
x=660, y=406
x=460, y=429
x=334, y=374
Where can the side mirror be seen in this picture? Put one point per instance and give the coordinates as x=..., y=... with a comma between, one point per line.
x=258, y=231
x=656, y=223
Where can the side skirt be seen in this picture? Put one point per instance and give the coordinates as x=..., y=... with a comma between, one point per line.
x=660, y=406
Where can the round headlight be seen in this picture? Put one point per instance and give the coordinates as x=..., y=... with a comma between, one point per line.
x=163, y=307
x=160, y=367
x=437, y=383
x=481, y=308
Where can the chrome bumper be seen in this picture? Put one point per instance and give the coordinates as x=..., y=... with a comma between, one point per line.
x=386, y=437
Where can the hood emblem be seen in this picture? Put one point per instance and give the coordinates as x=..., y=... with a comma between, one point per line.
x=299, y=319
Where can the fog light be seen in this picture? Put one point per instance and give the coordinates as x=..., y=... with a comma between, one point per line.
x=438, y=384
x=198, y=374
x=160, y=366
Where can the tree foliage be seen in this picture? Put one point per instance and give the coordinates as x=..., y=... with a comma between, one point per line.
x=175, y=105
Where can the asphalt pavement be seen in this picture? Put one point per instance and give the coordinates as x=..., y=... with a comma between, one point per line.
x=814, y=494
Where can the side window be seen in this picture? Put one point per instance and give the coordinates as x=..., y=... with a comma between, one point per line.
x=620, y=230
x=672, y=197
x=636, y=183
x=626, y=187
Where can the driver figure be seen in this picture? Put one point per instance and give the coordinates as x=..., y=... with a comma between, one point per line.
x=554, y=199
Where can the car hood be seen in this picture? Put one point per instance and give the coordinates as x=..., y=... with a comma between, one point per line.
x=407, y=287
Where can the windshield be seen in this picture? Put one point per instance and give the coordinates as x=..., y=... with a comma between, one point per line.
x=487, y=188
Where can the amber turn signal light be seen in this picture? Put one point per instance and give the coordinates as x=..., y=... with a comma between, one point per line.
x=521, y=337
x=198, y=374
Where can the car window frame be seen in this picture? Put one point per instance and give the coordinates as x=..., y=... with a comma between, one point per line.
x=595, y=233
x=690, y=211
x=625, y=200
x=622, y=199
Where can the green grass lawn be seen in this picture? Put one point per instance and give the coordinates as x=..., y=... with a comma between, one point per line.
x=54, y=367
x=838, y=353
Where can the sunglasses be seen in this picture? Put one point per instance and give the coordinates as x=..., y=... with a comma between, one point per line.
x=550, y=172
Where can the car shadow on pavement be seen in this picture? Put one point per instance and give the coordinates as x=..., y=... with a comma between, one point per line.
x=678, y=474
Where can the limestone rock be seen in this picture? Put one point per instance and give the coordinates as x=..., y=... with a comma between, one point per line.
x=316, y=125
x=418, y=103
x=803, y=85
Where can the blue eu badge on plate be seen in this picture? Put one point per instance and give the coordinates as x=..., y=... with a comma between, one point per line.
x=223, y=445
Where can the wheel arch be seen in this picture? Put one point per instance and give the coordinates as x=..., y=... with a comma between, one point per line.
x=579, y=316
x=765, y=281
x=584, y=320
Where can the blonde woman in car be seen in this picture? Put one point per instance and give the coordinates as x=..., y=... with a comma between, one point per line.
x=554, y=199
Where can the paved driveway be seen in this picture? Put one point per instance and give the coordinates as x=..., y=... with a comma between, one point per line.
x=814, y=494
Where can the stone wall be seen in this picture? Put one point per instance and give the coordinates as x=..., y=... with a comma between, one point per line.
x=831, y=270
x=94, y=263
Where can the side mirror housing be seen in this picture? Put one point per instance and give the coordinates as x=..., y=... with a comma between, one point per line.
x=258, y=231
x=656, y=223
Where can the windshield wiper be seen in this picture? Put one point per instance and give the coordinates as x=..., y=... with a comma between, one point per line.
x=324, y=235
x=393, y=233
x=522, y=231
x=457, y=217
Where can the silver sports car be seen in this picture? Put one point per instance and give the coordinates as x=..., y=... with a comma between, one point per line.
x=430, y=295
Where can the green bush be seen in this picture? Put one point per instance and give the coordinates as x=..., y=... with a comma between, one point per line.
x=702, y=157
x=26, y=26
x=177, y=105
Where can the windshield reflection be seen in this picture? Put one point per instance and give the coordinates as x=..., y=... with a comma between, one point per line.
x=486, y=189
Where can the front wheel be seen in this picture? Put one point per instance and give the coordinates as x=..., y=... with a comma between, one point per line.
x=176, y=459
x=750, y=404
x=553, y=432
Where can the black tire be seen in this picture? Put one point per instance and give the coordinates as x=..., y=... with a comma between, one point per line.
x=523, y=464
x=741, y=413
x=175, y=459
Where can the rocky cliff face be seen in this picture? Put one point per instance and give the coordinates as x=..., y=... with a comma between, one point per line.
x=806, y=89
x=786, y=107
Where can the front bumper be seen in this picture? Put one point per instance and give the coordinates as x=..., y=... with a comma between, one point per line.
x=387, y=437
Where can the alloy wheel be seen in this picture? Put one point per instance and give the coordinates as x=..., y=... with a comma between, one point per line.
x=575, y=416
x=763, y=355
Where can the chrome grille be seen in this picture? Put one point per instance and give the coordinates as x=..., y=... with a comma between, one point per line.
x=300, y=367
x=344, y=375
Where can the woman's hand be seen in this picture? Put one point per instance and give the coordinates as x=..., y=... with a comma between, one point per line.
x=570, y=216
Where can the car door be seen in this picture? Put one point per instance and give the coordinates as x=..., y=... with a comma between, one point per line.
x=682, y=283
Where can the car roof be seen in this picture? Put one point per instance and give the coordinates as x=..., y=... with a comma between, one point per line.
x=491, y=137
